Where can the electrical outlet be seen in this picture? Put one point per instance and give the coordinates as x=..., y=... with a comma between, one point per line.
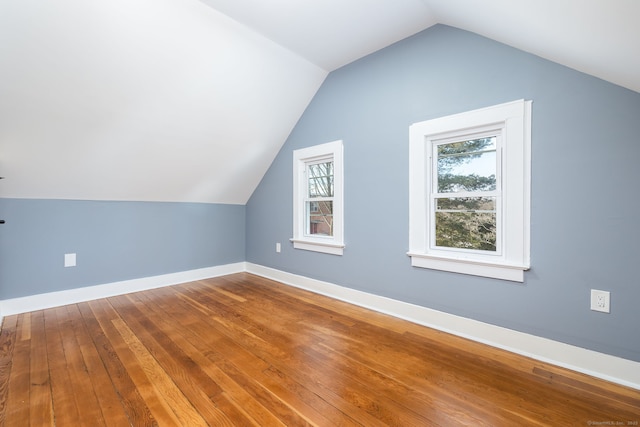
x=600, y=301
x=278, y=247
x=69, y=260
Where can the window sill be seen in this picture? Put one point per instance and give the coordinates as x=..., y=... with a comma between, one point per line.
x=495, y=270
x=324, y=247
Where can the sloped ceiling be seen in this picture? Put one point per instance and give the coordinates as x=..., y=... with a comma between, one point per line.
x=598, y=37
x=188, y=100
x=149, y=100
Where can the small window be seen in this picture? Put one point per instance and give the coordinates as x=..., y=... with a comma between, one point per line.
x=317, y=195
x=469, y=192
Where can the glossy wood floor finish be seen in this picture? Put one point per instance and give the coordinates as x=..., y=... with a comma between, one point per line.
x=245, y=351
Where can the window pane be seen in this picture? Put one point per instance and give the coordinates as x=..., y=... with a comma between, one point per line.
x=466, y=223
x=320, y=177
x=319, y=218
x=467, y=166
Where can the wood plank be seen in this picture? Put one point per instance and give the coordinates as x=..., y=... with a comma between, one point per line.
x=133, y=405
x=160, y=412
x=263, y=317
x=244, y=350
x=7, y=346
x=41, y=399
x=232, y=401
x=19, y=390
x=241, y=364
x=380, y=359
x=78, y=372
x=271, y=337
x=98, y=384
x=198, y=388
x=160, y=380
x=476, y=355
x=64, y=397
x=239, y=396
x=283, y=362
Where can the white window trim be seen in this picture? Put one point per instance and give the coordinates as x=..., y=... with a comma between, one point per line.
x=326, y=244
x=513, y=120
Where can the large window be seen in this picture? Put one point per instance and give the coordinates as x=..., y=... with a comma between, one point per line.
x=469, y=192
x=317, y=198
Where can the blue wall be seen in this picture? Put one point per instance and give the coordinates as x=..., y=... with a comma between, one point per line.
x=113, y=241
x=585, y=149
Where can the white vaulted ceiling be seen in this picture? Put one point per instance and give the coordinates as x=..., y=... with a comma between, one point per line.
x=159, y=100
x=598, y=37
x=187, y=100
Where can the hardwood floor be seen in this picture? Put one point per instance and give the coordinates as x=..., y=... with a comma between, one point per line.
x=241, y=350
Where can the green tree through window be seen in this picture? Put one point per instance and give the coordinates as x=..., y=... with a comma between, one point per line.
x=465, y=198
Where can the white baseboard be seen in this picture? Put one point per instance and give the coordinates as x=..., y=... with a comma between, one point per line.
x=600, y=365
x=72, y=296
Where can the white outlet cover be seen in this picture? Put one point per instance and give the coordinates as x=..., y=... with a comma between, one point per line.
x=600, y=301
x=69, y=260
